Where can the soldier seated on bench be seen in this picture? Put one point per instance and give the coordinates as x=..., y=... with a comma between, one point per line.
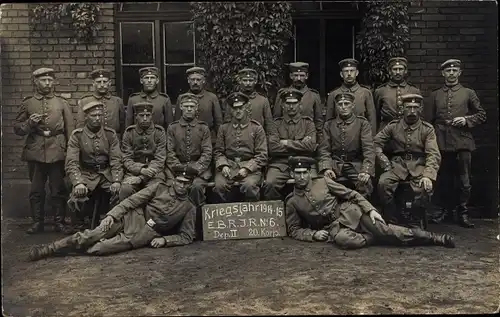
x=346, y=150
x=240, y=152
x=93, y=162
x=160, y=215
x=324, y=210
x=290, y=135
x=415, y=157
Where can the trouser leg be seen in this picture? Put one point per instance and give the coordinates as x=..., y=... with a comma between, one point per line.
x=347, y=238
x=446, y=194
x=351, y=174
x=274, y=183
x=222, y=188
x=58, y=192
x=197, y=195
x=39, y=176
x=387, y=185
x=250, y=187
x=464, y=168
x=421, y=202
x=127, y=190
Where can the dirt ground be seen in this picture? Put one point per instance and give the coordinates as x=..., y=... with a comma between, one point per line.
x=268, y=276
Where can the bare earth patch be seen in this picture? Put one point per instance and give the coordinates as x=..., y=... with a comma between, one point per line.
x=269, y=276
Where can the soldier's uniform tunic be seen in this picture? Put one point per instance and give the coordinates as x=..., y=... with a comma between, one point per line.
x=143, y=149
x=347, y=149
x=363, y=103
x=113, y=112
x=260, y=110
x=241, y=145
x=163, y=114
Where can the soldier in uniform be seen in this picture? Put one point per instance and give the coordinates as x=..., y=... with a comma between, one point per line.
x=324, y=210
x=240, y=152
x=144, y=151
x=47, y=122
x=363, y=101
x=189, y=144
x=347, y=147
x=260, y=110
x=159, y=215
x=93, y=161
x=163, y=114
x=388, y=102
x=415, y=156
x=114, y=109
x=293, y=134
x=311, y=101
x=209, y=110
x=454, y=110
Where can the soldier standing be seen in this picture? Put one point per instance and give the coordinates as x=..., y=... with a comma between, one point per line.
x=114, y=109
x=47, y=122
x=363, y=98
x=388, y=102
x=240, y=152
x=293, y=134
x=455, y=110
x=324, y=210
x=311, y=101
x=415, y=156
x=189, y=144
x=260, y=110
x=163, y=113
x=144, y=151
x=94, y=159
x=209, y=110
x=347, y=147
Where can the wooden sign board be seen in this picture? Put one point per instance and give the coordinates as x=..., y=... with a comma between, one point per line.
x=244, y=220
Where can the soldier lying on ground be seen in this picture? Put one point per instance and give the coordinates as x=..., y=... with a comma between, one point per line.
x=160, y=215
x=322, y=210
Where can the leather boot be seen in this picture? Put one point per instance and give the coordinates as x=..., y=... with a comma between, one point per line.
x=390, y=213
x=463, y=217
x=38, y=216
x=430, y=238
x=46, y=250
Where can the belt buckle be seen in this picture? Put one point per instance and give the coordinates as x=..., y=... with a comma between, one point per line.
x=46, y=132
x=408, y=156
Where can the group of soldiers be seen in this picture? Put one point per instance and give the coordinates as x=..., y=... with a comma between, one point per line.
x=151, y=172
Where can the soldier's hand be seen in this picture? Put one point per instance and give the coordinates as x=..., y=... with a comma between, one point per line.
x=34, y=119
x=226, y=172
x=284, y=142
x=388, y=167
x=115, y=188
x=330, y=174
x=132, y=180
x=243, y=172
x=320, y=235
x=80, y=190
x=458, y=121
x=147, y=172
x=374, y=216
x=106, y=223
x=363, y=178
x=158, y=242
x=426, y=183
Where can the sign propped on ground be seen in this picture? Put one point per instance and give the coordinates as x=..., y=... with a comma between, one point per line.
x=244, y=220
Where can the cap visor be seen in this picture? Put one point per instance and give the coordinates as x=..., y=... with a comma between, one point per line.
x=238, y=104
x=292, y=100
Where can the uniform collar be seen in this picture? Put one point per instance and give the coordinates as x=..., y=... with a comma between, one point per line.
x=452, y=88
x=353, y=88
x=294, y=120
x=97, y=96
x=348, y=121
x=173, y=194
x=303, y=90
x=47, y=96
x=184, y=123
x=153, y=95
x=393, y=84
x=240, y=125
x=411, y=127
x=302, y=192
x=147, y=131
x=91, y=134
x=200, y=94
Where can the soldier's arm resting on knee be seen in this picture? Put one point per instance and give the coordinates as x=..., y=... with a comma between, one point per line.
x=137, y=200
x=186, y=232
x=294, y=224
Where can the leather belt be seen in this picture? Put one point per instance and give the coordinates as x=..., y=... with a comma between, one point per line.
x=143, y=159
x=409, y=156
x=48, y=133
x=346, y=157
x=95, y=167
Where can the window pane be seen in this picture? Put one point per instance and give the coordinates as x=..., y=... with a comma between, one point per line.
x=175, y=6
x=137, y=43
x=130, y=80
x=179, y=44
x=141, y=6
x=176, y=81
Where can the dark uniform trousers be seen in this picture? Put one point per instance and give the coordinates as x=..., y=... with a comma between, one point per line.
x=454, y=163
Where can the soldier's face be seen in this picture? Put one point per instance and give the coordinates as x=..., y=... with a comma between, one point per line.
x=292, y=108
x=302, y=176
x=44, y=84
x=189, y=111
x=181, y=186
x=248, y=84
x=397, y=72
x=149, y=83
x=451, y=74
x=349, y=74
x=144, y=119
x=411, y=112
x=196, y=82
x=94, y=118
x=101, y=85
x=344, y=108
x=238, y=112
x=299, y=78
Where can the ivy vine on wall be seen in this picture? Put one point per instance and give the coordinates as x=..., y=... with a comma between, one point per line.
x=80, y=17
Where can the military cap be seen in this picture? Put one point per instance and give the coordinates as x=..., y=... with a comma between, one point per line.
x=43, y=71
x=344, y=96
x=196, y=70
x=92, y=105
x=299, y=67
x=187, y=173
x=99, y=73
x=411, y=98
x=149, y=71
x=143, y=107
x=237, y=99
x=291, y=95
x=451, y=63
x=247, y=72
x=348, y=62
x=189, y=98
x=301, y=162
x=397, y=61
